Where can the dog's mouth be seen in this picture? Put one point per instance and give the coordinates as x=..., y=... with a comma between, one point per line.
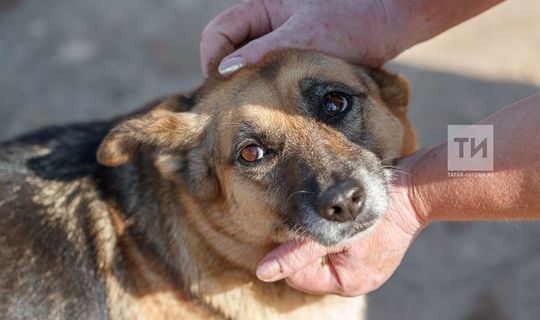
x=329, y=233
x=301, y=233
x=363, y=226
x=325, y=217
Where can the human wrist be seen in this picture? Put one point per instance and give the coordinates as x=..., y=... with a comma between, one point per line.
x=399, y=24
x=410, y=22
x=385, y=21
x=415, y=21
x=412, y=199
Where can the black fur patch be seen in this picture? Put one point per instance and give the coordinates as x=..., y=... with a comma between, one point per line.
x=270, y=70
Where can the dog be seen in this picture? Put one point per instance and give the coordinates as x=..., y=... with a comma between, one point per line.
x=164, y=214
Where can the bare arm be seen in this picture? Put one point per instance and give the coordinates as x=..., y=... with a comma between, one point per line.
x=510, y=192
x=416, y=21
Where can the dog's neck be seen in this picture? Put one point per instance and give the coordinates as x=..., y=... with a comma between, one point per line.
x=193, y=250
x=220, y=271
x=167, y=251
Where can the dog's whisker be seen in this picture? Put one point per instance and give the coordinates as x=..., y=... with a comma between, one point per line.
x=387, y=159
x=298, y=192
x=401, y=171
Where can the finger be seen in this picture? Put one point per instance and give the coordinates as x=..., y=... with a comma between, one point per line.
x=288, y=258
x=337, y=274
x=291, y=34
x=231, y=28
x=252, y=52
x=315, y=278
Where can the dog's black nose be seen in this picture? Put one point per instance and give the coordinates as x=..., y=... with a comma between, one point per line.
x=342, y=202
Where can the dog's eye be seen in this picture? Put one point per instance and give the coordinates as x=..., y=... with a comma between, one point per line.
x=251, y=153
x=335, y=103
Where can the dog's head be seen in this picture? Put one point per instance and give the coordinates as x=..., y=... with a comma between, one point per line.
x=293, y=146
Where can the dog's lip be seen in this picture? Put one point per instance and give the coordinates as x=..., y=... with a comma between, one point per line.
x=362, y=226
x=358, y=228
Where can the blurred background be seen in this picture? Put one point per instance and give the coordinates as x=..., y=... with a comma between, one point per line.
x=71, y=60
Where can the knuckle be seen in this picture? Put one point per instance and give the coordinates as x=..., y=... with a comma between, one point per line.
x=206, y=31
x=224, y=17
x=233, y=12
x=210, y=28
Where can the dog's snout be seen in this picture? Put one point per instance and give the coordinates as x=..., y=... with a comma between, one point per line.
x=341, y=202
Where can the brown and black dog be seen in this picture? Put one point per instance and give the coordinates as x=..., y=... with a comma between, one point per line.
x=187, y=196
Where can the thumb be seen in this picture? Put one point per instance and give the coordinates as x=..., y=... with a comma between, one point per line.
x=288, y=258
x=246, y=20
x=253, y=52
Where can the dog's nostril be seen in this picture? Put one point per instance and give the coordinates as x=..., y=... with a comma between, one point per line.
x=356, y=197
x=342, y=202
x=335, y=213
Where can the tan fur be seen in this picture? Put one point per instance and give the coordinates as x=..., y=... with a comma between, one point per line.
x=218, y=283
x=221, y=234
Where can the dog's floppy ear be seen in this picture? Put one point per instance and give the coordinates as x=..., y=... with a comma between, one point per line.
x=394, y=91
x=393, y=88
x=161, y=129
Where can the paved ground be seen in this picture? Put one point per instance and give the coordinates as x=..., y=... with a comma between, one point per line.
x=74, y=60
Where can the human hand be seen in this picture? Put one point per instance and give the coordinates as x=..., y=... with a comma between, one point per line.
x=358, y=31
x=354, y=268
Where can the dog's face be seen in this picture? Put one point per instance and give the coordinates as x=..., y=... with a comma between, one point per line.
x=295, y=146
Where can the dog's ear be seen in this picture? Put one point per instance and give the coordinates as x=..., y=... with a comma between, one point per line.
x=394, y=89
x=162, y=129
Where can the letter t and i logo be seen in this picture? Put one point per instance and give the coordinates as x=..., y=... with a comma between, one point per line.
x=470, y=148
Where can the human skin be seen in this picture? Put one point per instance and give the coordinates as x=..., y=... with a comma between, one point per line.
x=424, y=193
x=367, y=32
x=371, y=33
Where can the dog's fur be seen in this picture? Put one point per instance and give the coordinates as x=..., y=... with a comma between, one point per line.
x=171, y=223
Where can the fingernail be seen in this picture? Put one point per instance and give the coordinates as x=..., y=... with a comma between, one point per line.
x=231, y=65
x=268, y=271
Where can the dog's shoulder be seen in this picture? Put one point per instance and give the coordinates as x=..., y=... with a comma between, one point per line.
x=37, y=168
x=47, y=266
x=56, y=152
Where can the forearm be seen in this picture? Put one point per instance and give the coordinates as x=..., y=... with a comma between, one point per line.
x=511, y=191
x=415, y=21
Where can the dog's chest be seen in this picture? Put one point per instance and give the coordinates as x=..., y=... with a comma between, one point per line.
x=257, y=300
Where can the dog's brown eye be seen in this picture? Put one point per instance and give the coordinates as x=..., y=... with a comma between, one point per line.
x=335, y=103
x=252, y=153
